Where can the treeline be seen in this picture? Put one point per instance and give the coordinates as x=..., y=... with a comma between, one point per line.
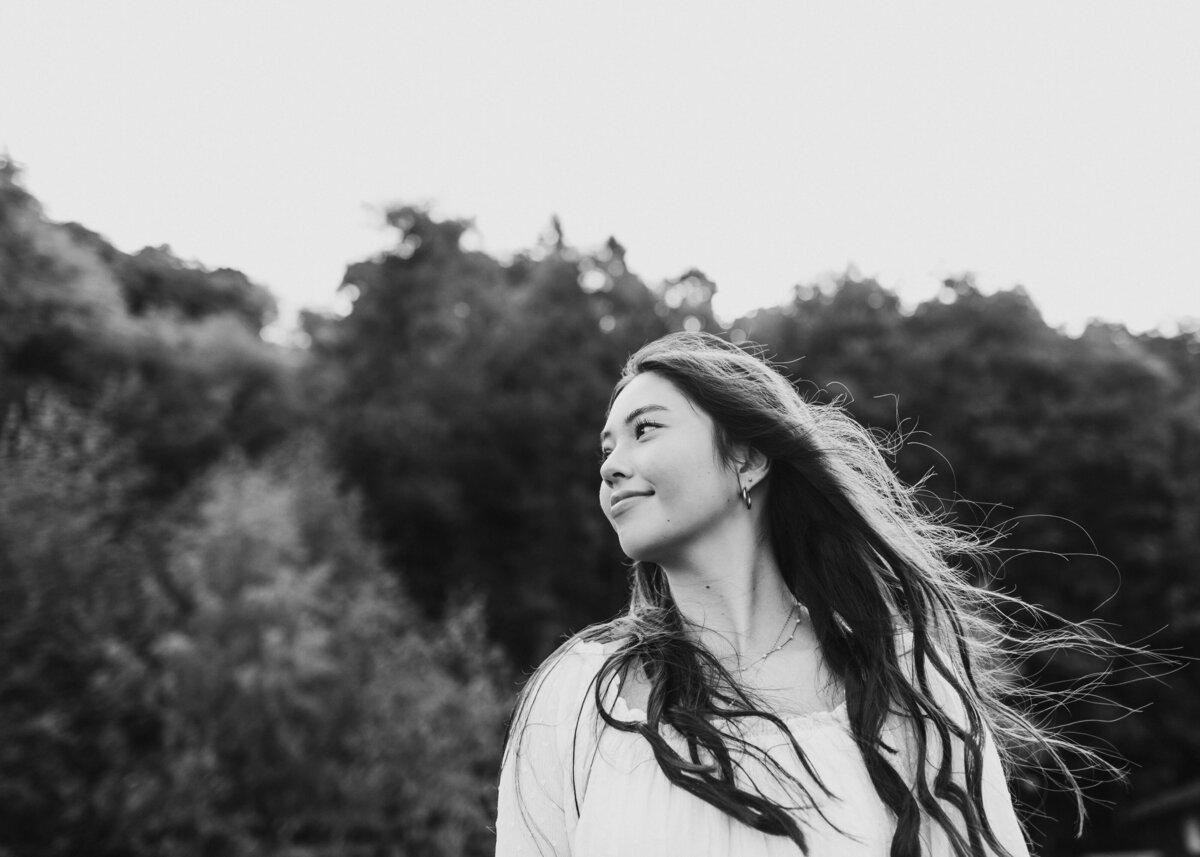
x=263, y=599
x=202, y=653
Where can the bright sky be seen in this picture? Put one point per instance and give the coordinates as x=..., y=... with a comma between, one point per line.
x=1055, y=145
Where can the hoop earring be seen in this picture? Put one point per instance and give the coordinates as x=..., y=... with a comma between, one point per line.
x=746, y=496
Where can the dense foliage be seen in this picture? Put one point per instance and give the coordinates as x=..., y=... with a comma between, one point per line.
x=257, y=599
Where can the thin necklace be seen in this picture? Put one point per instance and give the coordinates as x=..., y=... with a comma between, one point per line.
x=795, y=628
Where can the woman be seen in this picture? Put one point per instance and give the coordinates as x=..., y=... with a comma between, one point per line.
x=801, y=668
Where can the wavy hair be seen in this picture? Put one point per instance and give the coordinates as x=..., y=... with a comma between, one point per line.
x=889, y=587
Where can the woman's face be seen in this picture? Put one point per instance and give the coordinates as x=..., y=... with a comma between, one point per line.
x=663, y=486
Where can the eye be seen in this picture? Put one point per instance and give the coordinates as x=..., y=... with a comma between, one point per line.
x=639, y=430
x=642, y=426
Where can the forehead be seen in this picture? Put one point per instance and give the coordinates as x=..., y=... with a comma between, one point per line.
x=646, y=390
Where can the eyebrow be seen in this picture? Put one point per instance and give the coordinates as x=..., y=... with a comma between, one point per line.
x=633, y=415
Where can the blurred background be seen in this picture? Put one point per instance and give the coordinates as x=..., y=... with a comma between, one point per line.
x=292, y=496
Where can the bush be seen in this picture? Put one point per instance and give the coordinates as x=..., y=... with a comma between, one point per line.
x=234, y=675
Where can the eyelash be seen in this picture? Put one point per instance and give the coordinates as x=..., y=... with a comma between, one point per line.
x=638, y=426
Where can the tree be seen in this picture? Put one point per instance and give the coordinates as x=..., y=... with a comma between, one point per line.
x=238, y=675
x=80, y=595
x=464, y=397
x=169, y=353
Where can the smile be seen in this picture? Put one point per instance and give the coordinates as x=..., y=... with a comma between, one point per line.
x=621, y=501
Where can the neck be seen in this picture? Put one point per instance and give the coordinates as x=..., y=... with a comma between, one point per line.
x=733, y=595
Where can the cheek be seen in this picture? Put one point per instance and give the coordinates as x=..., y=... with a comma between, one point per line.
x=603, y=497
x=710, y=489
x=696, y=475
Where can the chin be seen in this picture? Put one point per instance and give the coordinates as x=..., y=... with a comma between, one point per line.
x=643, y=550
x=636, y=550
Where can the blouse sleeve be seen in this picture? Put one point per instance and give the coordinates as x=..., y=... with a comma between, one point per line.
x=997, y=799
x=536, y=807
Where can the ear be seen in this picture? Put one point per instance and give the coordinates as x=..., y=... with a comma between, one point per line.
x=751, y=465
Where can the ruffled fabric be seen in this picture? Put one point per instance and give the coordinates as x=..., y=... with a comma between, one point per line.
x=630, y=807
x=619, y=802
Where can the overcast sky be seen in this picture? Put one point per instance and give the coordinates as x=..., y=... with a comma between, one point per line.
x=1051, y=144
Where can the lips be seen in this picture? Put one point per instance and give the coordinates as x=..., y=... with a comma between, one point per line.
x=621, y=500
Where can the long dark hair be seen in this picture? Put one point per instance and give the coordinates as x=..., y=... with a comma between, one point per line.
x=889, y=588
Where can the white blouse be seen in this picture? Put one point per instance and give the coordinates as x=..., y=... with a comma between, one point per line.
x=576, y=787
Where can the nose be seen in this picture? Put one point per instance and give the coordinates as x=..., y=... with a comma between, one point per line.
x=612, y=468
